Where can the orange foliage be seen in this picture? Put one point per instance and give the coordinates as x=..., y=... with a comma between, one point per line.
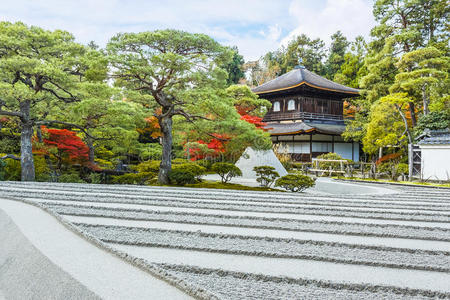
x=152, y=127
x=387, y=157
x=349, y=110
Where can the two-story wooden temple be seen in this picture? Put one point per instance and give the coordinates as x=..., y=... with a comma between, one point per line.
x=307, y=114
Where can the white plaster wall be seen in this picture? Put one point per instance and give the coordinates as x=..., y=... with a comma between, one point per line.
x=344, y=150
x=356, y=152
x=436, y=162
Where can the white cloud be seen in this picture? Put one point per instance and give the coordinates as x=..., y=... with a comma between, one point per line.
x=255, y=26
x=352, y=17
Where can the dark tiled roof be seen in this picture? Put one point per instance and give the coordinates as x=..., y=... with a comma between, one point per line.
x=301, y=76
x=303, y=127
x=436, y=137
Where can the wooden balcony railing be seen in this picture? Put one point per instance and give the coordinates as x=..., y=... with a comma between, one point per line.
x=300, y=116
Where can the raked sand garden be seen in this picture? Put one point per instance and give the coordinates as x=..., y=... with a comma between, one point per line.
x=223, y=244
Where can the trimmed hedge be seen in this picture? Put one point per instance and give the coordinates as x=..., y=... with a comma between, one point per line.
x=187, y=173
x=226, y=171
x=295, y=182
x=134, y=178
x=266, y=175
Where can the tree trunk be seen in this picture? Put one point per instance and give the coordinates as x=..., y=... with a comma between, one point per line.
x=405, y=121
x=91, y=154
x=412, y=112
x=26, y=147
x=425, y=100
x=166, y=161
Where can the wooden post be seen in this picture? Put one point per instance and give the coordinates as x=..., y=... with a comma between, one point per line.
x=310, y=147
x=353, y=151
x=293, y=148
x=332, y=143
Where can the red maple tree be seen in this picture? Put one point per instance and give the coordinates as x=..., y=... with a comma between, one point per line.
x=257, y=121
x=65, y=146
x=218, y=143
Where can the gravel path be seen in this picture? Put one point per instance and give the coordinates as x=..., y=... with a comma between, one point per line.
x=275, y=233
x=161, y=209
x=386, y=214
x=342, y=228
x=273, y=247
x=247, y=244
x=295, y=268
x=237, y=285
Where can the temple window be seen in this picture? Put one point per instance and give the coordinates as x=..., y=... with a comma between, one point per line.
x=276, y=106
x=291, y=104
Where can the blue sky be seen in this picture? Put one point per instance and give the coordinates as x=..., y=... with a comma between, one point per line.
x=255, y=27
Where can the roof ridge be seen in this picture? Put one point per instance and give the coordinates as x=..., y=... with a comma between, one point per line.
x=330, y=81
x=299, y=76
x=283, y=75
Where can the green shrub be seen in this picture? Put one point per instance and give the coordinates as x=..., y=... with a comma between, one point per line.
x=41, y=169
x=226, y=171
x=266, y=175
x=181, y=177
x=153, y=165
x=403, y=168
x=193, y=168
x=134, y=178
x=148, y=166
x=393, y=169
x=301, y=166
x=206, y=163
x=186, y=173
x=178, y=161
x=95, y=178
x=2, y=169
x=70, y=178
x=12, y=169
x=104, y=164
x=327, y=165
x=295, y=182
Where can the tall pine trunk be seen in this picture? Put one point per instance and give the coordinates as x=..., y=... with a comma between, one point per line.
x=412, y=112
x=91, y=154
x=26, y=146
x=425, y=100
x=166, y=161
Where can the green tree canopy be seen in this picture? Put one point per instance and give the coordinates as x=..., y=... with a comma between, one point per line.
x=423, y=74
x=336, y=54
x=385, y=128
x=38, y=68
x=235, y=67
x=174, y=73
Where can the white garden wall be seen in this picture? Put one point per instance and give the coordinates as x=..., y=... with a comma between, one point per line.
x=435, y=162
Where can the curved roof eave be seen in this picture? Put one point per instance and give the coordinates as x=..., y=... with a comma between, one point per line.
x=301, y=76
x=308, y=84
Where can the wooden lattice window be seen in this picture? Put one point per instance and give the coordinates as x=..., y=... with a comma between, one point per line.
x=276, y=106
x=291, y=104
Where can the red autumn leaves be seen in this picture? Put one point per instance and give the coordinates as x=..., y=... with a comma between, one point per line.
x=64, y=145
x=217, y=144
